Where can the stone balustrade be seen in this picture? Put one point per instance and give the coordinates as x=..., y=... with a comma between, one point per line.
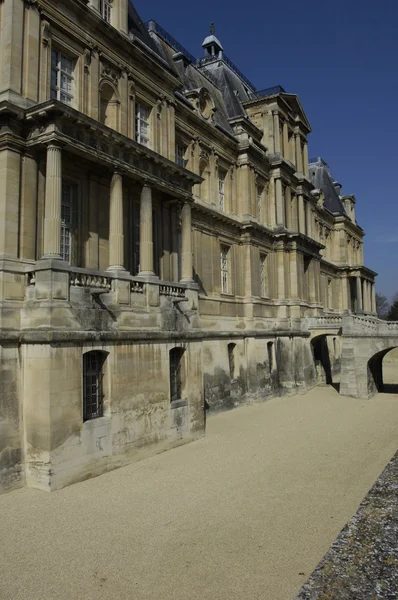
x=325, y=322
x=175, y=291
x=90, y=281
x=363, y=325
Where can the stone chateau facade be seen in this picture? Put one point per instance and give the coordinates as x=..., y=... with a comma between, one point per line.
x=165, y=242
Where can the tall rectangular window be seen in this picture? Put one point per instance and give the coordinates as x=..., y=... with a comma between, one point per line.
x=105, y=7
x=225, y=270
x=93, y=374
x=141, y=124
x=62, y=80
x=221, y=188
x=66, y=221
x=180, y=155
x=263, y=275
x=176, y=378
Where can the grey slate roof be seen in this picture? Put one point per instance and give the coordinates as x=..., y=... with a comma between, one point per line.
x=322, y=180
x=138, y=28
x=230, y=86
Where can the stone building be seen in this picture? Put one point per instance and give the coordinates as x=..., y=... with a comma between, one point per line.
x=164, y=240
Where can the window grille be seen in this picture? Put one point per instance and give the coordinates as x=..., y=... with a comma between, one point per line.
x=180, y=155
x=221, y=189
x=270, y=352
x=62, y=80
x=93, y=374
x=141, y=125
x=105, y=7
x=231, y=360
x=225, y=283
x=66, y=221
x=263, y=275
x=176, y=355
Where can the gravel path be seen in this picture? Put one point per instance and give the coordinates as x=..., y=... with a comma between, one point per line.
x=246, y=512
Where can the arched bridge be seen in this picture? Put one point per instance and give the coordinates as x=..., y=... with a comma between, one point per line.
x=365, y=340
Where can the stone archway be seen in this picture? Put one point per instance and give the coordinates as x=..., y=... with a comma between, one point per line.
x=376, y=380
x=326, y=353
x=361, y=364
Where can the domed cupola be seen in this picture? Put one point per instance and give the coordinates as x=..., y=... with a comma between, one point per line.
x=212, y=45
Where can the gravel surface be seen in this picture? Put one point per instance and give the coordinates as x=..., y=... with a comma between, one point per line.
x=363, y=560
x=246, y=512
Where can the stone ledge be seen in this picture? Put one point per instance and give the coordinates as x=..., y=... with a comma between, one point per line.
x=46, y=336
x=363, y=560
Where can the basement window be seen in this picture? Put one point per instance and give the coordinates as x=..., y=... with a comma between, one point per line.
x=93, y=375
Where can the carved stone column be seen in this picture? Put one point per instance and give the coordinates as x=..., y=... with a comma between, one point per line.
x=286, y=149
x=299, y=156
x=359, y=305
x=277, y=141
x=305, y=159
x=280, y=262
x=309, y=218
x=186, y=242
x=280, y=222
x=373, y=298
x=301, y=214
x=288, y=207
x=146, y=233
x=116, y=237
x=53, y=199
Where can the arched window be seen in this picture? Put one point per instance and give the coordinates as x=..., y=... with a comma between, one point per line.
x=231, y=360
x=93, y=375
x=109, y=106
x=176, y=373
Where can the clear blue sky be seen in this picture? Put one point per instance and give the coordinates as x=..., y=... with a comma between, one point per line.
x=341, y=58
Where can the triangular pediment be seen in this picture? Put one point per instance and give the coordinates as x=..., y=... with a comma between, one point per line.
x=296, y=107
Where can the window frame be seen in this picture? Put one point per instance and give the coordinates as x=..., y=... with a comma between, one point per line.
x=180, y=159
x=105, y=9
x=71, y=205
x=138, y=119
x=57, y=91
x=93, y=378
x=221, y=177
x=176, y=374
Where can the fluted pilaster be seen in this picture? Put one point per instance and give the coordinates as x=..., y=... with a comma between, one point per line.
x=186, y=242
x=277, y=140
x=146, y=232
x=116, y=237
x=299, y=155
x=280, y=221
x=53, y=200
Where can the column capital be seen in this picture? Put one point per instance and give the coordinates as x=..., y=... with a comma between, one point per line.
x=55, y=145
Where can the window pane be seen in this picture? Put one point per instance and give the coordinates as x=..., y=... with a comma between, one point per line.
x=66, y=64
x=54, y=58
